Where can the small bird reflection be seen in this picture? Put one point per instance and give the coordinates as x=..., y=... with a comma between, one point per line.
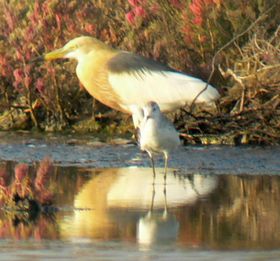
x=157, y=226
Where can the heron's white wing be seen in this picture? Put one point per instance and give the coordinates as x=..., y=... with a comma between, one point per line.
x=169, y=89
x=137, y=115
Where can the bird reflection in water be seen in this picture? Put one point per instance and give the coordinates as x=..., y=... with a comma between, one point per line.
x=124, y=204
x=157, y=226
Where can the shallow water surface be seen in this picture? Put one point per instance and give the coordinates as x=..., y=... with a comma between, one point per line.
x=122, y=213
x=218, y=203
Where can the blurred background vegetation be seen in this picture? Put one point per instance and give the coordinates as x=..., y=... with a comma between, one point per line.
x=185, y=34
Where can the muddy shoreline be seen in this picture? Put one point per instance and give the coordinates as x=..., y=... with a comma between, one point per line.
x=87, y=151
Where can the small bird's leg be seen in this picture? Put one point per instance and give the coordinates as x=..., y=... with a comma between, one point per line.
x=154, y=171
x=153, y=166
x=165, y=166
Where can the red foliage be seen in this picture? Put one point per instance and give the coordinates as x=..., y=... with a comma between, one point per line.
x=139, y=11
x=23, y=42
x=40, y=86
x=177, y=3
x=198, y=7
x=90, y=28
x=133, y=3
x=19, y=55
x=19, y=76
x=5, y=67
x=130, y=17
x=10, y=17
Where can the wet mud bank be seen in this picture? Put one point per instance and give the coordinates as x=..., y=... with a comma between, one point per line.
x=86, y=151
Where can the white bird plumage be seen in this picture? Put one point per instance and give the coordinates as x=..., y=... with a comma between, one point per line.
x=170, y=90
x=157, y=134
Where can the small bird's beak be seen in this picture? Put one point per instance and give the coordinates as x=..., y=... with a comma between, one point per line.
x=56, y=54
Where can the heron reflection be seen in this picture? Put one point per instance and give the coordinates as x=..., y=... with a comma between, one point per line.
x=124, y=203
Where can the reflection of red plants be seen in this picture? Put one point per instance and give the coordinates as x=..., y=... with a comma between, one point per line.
x=3, y=182
x=21, y=171
x=21, y=185
x=44, y=227
x=41, y=181
x=24, y=187
x=43, y=173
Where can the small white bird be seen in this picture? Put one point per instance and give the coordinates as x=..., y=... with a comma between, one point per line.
x=157, y=134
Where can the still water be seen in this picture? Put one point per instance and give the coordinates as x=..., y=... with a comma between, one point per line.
x=123, y=214
x=219, y=203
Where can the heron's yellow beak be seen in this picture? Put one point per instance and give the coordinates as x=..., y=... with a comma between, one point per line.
x=56, y=54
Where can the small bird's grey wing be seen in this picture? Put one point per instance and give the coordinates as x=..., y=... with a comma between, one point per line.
x=169, y=134
x=164, y=121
